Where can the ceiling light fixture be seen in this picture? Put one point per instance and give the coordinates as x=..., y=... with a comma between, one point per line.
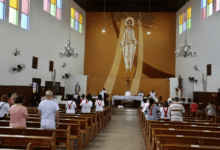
x=185, y=49
x=69, y=50
x=103, y=30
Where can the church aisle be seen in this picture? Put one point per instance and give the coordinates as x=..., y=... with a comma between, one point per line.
x=121, y=133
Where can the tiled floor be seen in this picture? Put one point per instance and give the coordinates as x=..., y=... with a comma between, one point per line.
x=121, y=133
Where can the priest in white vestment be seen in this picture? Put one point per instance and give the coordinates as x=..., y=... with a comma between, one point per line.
x=103, y=93
x=153, y=94
x=128, y=93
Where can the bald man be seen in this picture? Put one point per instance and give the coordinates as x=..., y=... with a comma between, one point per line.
x=47, y=110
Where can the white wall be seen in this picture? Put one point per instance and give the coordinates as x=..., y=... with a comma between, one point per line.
x=71, y=83
x=204, y=37
x=45, y=39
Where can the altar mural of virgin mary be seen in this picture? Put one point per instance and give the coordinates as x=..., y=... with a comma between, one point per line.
x=128, y=44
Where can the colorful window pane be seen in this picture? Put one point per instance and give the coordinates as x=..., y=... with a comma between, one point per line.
x=25, y=14
x=207, y=8
x=47, y=5
x=76, y=15
x=217, y=5
x=181, y=29
x=54, y=7
x=76, y=25
x=14, y=4
x=59, y=4
x=13, y=16
x=189, y=14
x=80, y=18
x=80, y=28
x=72, y=23
x=2, y=9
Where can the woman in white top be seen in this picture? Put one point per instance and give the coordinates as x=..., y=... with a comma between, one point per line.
x=4, y=106
x=164, y=111
x=70, y=105
x=99, y=104
x=86, y=105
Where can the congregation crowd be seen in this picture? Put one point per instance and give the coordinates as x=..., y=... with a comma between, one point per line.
x=48, y=109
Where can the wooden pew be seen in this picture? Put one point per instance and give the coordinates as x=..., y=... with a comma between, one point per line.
x=74, y=130
x=186, y=147
x=63, y=135
x=184, y=132
x=186, y=140
x=29, y=147
x=18, y=141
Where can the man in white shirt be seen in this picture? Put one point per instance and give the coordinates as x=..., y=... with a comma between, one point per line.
x=128, y=93
x=176, y=109
x=55, y=100
x=141, y=94
x=153, y=94
x=103, y=93
x=47, y=110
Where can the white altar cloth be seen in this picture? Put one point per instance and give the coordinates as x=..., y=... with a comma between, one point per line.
x=126, y=98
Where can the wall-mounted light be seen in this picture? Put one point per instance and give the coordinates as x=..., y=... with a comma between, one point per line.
x=196, y=68
x=17, y=52
x=192, y=79
x=66, y=76
x=19, y=68
x=64, y=65
x=149, y=33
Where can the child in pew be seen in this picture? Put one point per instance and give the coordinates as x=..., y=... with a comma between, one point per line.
x=151, y=110
x=211, y=108
x=70, y=105
x=4, y=106
x=86, y=105
x=164, y=111
x=12, y=99
x=194, y=106
x=83, y=98
x=19, y=113
x=176, y=109
x=99, y=104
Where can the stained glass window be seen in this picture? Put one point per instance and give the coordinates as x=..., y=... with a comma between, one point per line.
x=180, y=23
x=2, y=9
x=25, y=14
x=54, y=7
x=72, y=18
x=206, y=8
x=189, y=14
x=13, y=11
x=80, y=23
x=217, y=5
x=185, y=20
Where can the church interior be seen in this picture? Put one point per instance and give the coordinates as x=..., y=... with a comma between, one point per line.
x=167, y=49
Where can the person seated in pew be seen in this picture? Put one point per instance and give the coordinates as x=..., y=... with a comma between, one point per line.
x=176, y=109
x=151, y=110
x=83, y=98
x=164, y=111
x=86, y=105
x=99, y=104
x=70, y=105
x=4, y=106
x=47, y=111
x=194, y=106
x=211, y=108
x=12, y=99
x=18, y=113
x=43, y=98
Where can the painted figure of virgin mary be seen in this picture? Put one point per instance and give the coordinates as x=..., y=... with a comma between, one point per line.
x=128, y=44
